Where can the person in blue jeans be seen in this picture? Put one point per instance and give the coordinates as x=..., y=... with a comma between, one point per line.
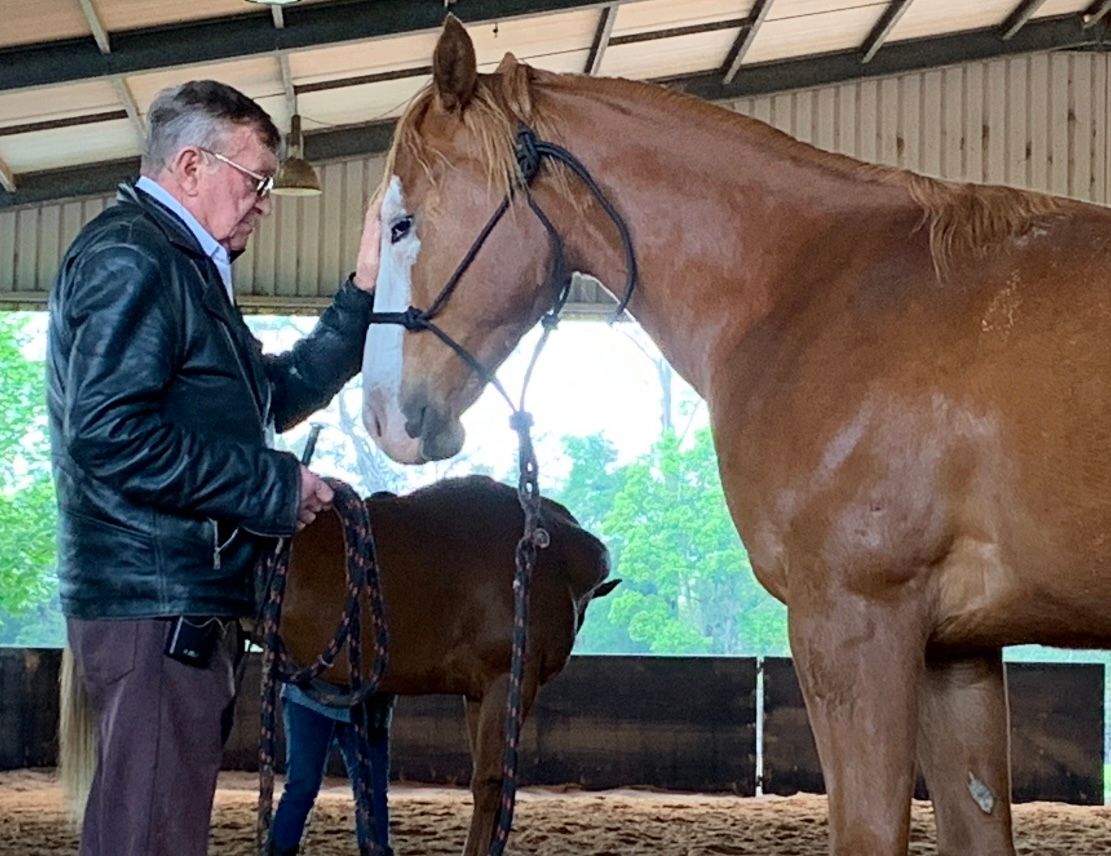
x=310, y=730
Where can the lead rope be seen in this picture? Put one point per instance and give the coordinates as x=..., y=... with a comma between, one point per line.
x=278, y=665
x=533, y=539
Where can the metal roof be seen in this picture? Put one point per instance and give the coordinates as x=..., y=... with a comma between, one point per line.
x=77, y=75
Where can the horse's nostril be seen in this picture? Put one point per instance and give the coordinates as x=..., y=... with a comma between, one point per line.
x=415, y=425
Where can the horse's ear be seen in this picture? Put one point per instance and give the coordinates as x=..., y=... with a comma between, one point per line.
x=454, y=67
x=514, y=77
x=605, y=588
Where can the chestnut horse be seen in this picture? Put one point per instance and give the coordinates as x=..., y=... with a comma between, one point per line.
x=446, y=563
x=905, y=379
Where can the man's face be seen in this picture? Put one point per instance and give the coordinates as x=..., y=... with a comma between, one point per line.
x=225, y=198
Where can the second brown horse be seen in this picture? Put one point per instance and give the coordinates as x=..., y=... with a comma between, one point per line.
x=446, y=562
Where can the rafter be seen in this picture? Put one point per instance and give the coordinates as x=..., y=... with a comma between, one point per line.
x=601, y=39
x=745, y=39
x=1023, y=12
x=890, y=17
x=100, y=35
x=1096, y=13
x=7, y=177
x=123, y=93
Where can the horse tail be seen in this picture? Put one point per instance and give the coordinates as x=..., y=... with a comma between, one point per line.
x=76, y=737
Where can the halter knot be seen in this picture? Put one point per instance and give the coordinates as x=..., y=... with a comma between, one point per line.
x=528, y=154
x=412, y=319
x=520, y=421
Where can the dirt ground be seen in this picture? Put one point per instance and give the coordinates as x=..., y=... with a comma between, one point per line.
x=431, y=821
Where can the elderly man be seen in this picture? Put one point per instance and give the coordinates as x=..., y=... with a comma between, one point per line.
x=160, y=404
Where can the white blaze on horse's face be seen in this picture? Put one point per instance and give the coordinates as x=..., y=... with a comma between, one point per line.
x=382, y=356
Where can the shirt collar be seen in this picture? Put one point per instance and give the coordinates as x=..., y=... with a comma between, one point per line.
x=209, y=245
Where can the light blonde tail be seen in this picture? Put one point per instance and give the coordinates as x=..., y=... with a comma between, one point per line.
x=76, y=738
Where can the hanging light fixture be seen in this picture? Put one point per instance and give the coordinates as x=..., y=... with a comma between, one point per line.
x=296, y=177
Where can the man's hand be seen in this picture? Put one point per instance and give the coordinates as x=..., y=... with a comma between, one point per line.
x=316, y=496
x=370, y=247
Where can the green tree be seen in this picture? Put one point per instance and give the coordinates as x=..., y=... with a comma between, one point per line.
x=688, y=587
x=588, y=493
x=28, y=584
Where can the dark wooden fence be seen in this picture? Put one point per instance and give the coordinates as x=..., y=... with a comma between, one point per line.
x=669, y=722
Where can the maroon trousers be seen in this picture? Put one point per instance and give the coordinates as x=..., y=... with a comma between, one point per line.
x=159, y=738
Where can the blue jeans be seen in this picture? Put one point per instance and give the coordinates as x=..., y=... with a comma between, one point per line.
x=309, y=736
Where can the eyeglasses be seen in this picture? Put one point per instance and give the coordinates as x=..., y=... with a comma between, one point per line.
x=263, y=183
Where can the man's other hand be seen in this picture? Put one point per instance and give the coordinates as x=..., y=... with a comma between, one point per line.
x=370, y=247
x=316, y=496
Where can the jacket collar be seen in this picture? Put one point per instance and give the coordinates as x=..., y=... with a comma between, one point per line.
x=176, y=231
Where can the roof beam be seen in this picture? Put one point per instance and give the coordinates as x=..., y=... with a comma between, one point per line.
x=890, y=17
x=7, y=177
x=214, y=39
x=103, y=43
x=1096, y=13
x=100, y=35
x=131, y=108
x=1023, y=12
x=745, y=38
x=1064, y=32
x=601, y=39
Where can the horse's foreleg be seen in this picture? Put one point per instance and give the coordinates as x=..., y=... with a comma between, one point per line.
x=486, y=728
x=963, y=750
x=859, y=660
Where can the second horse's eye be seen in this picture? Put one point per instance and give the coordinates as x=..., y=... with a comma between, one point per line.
x=400, y=229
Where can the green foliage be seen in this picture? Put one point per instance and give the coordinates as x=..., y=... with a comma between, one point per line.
x=688, y=587
x=28, y=585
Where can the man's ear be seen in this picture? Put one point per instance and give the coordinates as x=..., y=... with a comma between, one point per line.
x=186, y=167
x=454, y=67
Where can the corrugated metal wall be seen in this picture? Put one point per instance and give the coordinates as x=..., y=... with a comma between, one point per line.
x=1038, y=121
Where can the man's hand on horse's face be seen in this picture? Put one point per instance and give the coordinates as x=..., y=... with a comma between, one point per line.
x=316, y=496
x=370, y=247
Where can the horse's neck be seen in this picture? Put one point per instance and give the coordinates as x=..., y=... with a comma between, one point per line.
x=721, y=215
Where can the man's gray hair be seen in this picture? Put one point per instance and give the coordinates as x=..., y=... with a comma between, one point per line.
x=200, y=113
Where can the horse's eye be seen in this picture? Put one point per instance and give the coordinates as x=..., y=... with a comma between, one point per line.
x=400, y=229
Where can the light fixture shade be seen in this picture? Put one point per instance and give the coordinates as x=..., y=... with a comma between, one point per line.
x=274, y=2
x=296, y=178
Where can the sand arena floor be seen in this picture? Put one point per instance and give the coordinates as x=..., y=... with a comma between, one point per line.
x=432, y=821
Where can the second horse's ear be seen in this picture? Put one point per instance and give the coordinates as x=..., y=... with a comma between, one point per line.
x=454, y=67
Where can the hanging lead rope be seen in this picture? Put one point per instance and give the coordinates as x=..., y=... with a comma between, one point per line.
x=278, y=665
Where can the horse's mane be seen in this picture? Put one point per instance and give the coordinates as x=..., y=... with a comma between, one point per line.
x=963, y=219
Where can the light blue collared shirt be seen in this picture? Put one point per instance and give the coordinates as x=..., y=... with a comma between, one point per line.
x=211, y=247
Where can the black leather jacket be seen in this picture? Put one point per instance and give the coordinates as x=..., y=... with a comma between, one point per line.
x=160, y=401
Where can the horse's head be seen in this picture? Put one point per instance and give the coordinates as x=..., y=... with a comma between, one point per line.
x=451, y=165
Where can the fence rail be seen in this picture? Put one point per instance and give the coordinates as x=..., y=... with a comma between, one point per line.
x=685, y=723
